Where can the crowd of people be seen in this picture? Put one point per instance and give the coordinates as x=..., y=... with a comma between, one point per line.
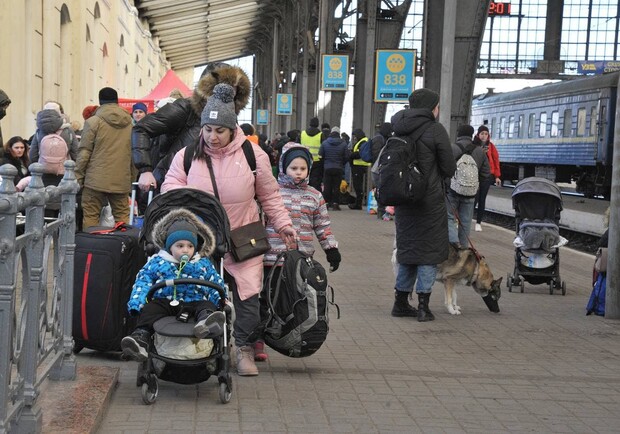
x=299, y=176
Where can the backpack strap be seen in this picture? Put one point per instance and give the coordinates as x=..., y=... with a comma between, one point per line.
x=190, y=151
x=464, y=150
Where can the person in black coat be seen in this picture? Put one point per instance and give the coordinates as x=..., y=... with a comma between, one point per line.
x=177, y=124
x=422, y=228
x=5, y=101
x=334, y=153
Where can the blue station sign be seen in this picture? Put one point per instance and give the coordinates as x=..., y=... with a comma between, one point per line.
x=394, y=75
x=335, y=72
x=284, y=104
x=597, y=67
x=262, y=117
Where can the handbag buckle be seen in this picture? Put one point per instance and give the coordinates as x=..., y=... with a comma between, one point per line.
x=253, y=242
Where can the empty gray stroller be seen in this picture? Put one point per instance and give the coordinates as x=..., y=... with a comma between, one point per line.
x=537, y=203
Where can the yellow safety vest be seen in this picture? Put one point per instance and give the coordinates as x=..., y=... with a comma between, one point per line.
x=313, y=143
x=356, y=148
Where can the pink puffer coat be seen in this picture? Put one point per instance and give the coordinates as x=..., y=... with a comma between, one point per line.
x=237, y=187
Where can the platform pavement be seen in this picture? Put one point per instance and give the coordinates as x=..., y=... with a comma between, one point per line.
x=540, y=365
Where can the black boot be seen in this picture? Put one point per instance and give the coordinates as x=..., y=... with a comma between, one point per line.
x=491, y=303
x=401, y=305
x=424, y=313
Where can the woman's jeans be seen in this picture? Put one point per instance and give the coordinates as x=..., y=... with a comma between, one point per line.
x=407, y=275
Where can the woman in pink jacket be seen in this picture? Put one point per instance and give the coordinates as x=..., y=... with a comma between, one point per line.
x=220, y=140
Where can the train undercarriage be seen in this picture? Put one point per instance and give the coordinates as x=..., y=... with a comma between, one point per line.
x=589, y=181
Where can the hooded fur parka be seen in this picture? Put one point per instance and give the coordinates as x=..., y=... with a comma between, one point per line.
x=177, y=124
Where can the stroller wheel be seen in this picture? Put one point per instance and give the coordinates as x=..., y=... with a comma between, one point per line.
x=509, y=283
x=551, y=285
x=522, y=285
x=77, y=348
x=150, y=389
x=563, y=288
x=225, y=393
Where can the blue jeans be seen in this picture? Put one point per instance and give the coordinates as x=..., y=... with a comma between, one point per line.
x=407, y=275
x=464, y=206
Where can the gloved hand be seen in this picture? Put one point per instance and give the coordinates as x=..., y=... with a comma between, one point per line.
x=334, y=258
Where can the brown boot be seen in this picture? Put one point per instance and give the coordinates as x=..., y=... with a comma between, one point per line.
x=245, y=361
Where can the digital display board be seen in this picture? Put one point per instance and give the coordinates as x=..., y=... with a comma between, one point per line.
x=499, y=9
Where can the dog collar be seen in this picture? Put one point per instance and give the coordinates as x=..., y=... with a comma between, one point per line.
x=474, y=277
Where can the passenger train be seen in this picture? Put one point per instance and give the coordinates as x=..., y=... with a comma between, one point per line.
x=561, y=131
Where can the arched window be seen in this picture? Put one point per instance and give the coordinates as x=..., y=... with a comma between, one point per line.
x=88, y=39
x=122, y=41
x=104, y=50
x=126, y=70
x=137, y=59
x=97, y=12
x=64, y=15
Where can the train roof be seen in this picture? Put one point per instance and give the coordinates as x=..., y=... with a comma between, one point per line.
x=550, y=89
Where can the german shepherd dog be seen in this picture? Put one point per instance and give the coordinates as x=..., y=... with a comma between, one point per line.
x=463, y=266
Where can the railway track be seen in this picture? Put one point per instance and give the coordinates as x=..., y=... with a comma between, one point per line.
x=579, y=241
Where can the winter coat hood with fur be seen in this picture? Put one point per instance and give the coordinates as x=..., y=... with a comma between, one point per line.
x=206, y=238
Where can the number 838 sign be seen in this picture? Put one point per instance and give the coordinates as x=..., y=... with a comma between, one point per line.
x=394, y=75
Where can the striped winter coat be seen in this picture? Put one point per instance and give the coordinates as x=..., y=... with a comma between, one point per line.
x=308, y=212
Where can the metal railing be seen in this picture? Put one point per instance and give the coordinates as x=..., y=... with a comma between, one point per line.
x=35, y=309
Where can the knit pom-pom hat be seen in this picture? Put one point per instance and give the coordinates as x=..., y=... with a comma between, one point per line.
x=220, y=108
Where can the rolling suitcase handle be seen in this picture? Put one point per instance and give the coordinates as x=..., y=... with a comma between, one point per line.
x=134, y=189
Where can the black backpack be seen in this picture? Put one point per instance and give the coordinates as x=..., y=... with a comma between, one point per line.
x=297, y=323
x=397, y=173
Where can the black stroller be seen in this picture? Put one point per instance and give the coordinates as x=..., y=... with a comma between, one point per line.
x=175, y=354
x=537, y=203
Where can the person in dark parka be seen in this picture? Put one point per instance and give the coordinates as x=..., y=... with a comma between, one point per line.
x=422, y=228
x=5, y=101
x=177, y=124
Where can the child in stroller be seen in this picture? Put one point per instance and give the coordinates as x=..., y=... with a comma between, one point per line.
x=185, y=244
x=537, y=203
x=184, y=320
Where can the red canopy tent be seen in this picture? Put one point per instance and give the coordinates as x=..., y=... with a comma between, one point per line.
x=170, y=82
x=127, y=104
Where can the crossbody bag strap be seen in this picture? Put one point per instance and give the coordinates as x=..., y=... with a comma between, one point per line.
x=210, y=166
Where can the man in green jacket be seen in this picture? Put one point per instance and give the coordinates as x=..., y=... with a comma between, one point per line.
x=104, y=168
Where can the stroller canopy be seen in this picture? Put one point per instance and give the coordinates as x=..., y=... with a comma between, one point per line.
x=537, y=185
x=203, y=204
x=537, y=198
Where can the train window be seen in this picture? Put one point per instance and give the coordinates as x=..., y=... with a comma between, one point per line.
x=492, y=126
x=511, y=127
x=531, y=124
x=555, y=122
x=567, y=126
x=593, y=121
x=581, y=122
x=520, y=126
x=502, y=122
x=542, y=127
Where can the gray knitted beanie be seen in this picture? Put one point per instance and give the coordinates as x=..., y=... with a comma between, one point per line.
x=220, y=108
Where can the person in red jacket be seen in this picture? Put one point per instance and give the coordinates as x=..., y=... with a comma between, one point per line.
x=483, y=138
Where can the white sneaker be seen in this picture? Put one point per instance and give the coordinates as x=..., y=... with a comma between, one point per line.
x=478, y=227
